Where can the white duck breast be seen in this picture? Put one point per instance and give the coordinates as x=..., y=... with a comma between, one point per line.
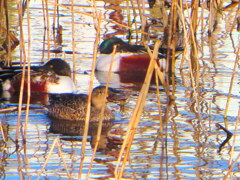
x=64, y=85
x=104, y=61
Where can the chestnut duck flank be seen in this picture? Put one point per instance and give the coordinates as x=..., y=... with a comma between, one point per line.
x=128, y=58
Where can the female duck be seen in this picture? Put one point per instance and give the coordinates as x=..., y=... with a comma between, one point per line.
x=73, y=107
x=52, y=77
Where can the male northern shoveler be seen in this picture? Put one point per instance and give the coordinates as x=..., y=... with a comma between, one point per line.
x=73, y=107
x=52, y=77
x=128, y=58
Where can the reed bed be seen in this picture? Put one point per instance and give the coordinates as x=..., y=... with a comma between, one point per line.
x=181, y=16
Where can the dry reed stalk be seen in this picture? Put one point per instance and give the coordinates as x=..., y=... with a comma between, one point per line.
x=13, y=44
x=159, y=75
x=232, y=81
x=202, y=20
x=194, y=64
x=57, y=28
x=171, y=31
x=9, y=51
x=22, y=55
x=211, y=17
x=141, y=10
x=174, y=27
x=47, y=26
x=2, y=132
x=97, y=25
x=102, y=111
x=111, y=64
x=55, y=18
x=128, y=12
x=236, y=19
x=28, y=73
x=125, y=149
x=8, y=109
x=193, y=41
x=25, y=160
x=28, y=87
x=1, y=12
x=184, y=24
x=44, y=35
x=99, y=131
x=86, y=125
x=231, y=167
x=73, y=41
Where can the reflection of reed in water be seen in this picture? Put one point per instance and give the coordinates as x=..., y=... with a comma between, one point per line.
x=117, y=17
x=8, y=39
x=161, y=27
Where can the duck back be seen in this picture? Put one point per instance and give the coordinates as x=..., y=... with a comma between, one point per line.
x=73, y=107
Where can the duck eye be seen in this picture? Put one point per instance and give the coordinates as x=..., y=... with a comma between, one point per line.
x=51, y=66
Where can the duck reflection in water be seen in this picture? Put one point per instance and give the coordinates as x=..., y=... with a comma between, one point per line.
x=67, y=113
x=76, y=128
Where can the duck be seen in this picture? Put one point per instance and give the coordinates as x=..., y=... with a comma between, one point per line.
x=128, y=58
x=52, y=77
x=73, y=107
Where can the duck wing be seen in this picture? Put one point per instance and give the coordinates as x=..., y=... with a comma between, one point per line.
x=74, y=101
x=60, y=112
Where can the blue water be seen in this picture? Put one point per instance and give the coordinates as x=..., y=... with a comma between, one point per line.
x=188, y=145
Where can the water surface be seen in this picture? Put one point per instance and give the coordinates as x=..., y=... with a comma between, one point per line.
x=186, y=149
